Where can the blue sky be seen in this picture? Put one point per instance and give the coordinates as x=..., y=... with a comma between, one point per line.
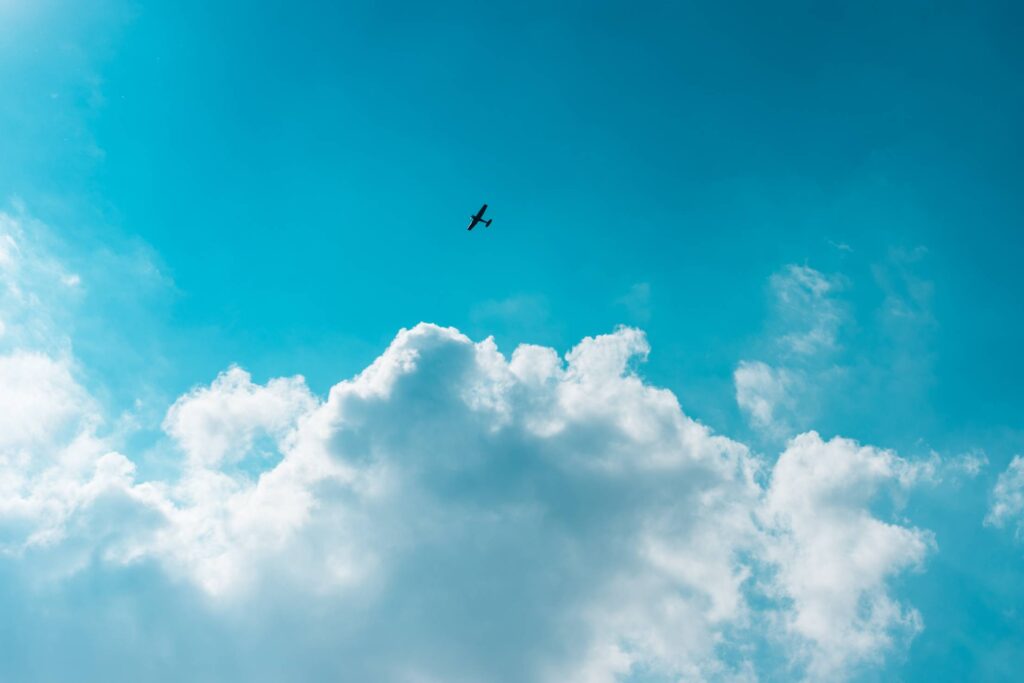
x=812, y=213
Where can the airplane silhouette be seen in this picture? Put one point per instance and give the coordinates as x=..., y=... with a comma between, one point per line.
x=479, y=218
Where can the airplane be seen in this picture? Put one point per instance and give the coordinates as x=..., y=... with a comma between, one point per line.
x=479, y=218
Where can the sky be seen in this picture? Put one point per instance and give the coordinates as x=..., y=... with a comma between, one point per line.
x=729, y=390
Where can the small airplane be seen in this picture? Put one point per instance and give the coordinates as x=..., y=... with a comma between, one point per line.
x=479, y=218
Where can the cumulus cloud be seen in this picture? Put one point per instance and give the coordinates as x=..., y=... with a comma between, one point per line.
x=222, y=421
x=833, y=557
x=53, y=463
x=526, y=498
x=450, y=513
x=1008, y=497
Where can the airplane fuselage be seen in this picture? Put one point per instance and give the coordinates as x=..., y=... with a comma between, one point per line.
x=479, y=218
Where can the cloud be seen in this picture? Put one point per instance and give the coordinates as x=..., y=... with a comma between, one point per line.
x=765, y=394
x=53, y=462
x=508, y=503
x=35, y=288
x=1008, y=497
x=805, y=300
x=779, y=397
x=222, y=421
x=40, y=404
x=833, y=557
x=450, y=513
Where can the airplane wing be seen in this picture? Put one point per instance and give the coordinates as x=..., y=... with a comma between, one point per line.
x=477, y=218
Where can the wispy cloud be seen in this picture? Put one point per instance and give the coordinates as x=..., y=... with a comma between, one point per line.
x=1008, y=498
x=777, y=396
x=806, y=304
x=765, y=394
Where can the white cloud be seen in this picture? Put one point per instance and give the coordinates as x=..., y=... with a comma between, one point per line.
x=53, y=463
x=833, y=557
x=805, y=299
x=33, y=288
x=222, y=421
x=41, y=403
x=765, y=394
x=57, y=474
x=525, y=483
x=778, y=398
x=454, y=514
x=970, y=464
x=1008, y=497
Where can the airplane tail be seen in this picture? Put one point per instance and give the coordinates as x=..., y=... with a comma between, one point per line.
x=487, y=222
